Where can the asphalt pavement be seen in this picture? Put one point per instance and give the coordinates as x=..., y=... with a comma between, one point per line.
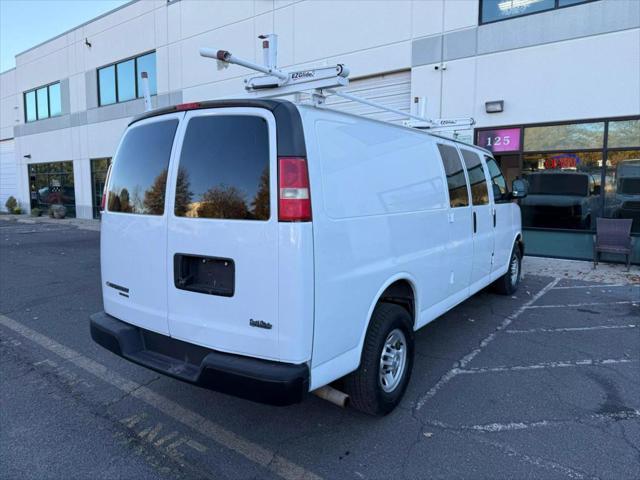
x=544, y=384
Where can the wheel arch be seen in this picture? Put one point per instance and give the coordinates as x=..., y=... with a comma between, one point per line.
x=519, y=241
x=399, y=289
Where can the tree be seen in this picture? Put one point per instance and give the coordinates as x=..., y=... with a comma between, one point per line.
x=223, y=201
x=260, y=202
x=154, y=196
x=125, y=204
x=183, y=194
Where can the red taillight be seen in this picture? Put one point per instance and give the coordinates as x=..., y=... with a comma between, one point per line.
x=294, y=200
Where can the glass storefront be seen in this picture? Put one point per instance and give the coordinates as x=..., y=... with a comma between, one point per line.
x=52, y=183
x=99, y=167
x=577, y=171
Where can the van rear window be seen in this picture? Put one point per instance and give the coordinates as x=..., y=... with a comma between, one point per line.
x=139, y=176
x=224, y=169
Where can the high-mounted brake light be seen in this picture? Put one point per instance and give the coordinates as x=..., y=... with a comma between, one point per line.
x=294, y=200
x=187, y=106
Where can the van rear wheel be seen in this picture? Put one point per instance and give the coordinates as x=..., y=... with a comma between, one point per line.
x=509, y=282
x=386, y=363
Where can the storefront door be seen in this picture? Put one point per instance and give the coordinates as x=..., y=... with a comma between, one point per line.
x=577, y=172
x=99, y=167
x=52, y=184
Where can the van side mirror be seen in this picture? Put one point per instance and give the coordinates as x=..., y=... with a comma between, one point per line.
x=519, y=188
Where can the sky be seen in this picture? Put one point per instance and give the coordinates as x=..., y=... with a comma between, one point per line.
x=26, y=23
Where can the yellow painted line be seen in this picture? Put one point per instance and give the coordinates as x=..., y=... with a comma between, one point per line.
x=251, y=451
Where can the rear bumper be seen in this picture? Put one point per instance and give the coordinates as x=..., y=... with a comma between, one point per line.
x=259, y=380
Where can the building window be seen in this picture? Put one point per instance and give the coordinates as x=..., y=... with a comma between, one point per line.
x=576, y=171
x=52, y=184
x=122, y=81
x=42, y=102
x=561, y=137
x=496, y=10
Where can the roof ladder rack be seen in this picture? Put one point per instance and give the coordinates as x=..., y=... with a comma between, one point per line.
x=321, y=81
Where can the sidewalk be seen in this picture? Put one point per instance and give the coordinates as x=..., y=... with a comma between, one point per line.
x=606, y=273
x=80, y=223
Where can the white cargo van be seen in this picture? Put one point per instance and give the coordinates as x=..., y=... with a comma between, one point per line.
x=266, y=249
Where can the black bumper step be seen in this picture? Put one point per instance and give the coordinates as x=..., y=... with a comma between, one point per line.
x=262, y=381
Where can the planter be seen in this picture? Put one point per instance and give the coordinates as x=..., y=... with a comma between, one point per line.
x=57, y=211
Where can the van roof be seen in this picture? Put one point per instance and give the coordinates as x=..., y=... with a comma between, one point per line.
x=289, y=125
x=423, y=131
x=289, y=135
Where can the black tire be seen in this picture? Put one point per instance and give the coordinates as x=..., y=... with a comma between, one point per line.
x=364, y=386
x=508, y=283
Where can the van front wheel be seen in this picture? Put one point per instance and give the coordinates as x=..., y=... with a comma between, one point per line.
x=386, y=363
x=509, y=282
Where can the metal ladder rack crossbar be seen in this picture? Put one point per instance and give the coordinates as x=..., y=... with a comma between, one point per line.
x=321, y=81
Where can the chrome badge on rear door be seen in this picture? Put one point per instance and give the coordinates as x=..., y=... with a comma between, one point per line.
x=260, y=324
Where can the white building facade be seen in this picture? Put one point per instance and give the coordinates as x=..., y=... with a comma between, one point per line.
x=564, y=76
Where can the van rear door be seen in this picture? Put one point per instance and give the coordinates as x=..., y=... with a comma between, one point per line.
x=134, y=225
x=222, y=251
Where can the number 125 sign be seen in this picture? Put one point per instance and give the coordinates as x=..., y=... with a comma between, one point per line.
x=502, y=140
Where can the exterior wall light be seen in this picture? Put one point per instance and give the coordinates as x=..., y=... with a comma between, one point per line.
x=494, y=106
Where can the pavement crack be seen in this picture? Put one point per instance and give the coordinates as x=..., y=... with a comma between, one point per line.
x=130, y=392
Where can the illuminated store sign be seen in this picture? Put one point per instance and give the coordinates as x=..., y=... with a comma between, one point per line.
x=502, y=140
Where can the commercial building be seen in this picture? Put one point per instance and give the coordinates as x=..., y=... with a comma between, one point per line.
x=553, y=85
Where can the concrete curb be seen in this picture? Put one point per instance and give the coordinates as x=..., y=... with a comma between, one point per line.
x=79, y=223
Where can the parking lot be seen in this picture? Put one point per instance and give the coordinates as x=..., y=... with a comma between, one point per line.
x=544, y=384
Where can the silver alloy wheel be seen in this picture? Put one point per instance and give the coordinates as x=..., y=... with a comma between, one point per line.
x=393, y=360
x=514, y=270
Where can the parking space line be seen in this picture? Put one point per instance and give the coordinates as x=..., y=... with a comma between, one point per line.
x=545, y=365
x=573, y=329
x=464, y=361
x=628, y=414
x=534, y=460
x=574, y=305
x=596, y=286
x=251, y=451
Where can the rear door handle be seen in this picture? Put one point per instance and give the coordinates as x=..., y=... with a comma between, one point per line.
x=474, y=222
x=494, y=219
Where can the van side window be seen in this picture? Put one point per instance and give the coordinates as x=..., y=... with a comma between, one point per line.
x=458, y=194
x=139, y=176
x=498, y=183
x=224, y=169
x=475, y=171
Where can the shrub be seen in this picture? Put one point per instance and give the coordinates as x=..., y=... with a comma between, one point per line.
x=36, y=212
x=17, y=211
x=11, y=204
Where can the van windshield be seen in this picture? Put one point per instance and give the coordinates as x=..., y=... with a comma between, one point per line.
x=629, y=186
x=553, y=183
